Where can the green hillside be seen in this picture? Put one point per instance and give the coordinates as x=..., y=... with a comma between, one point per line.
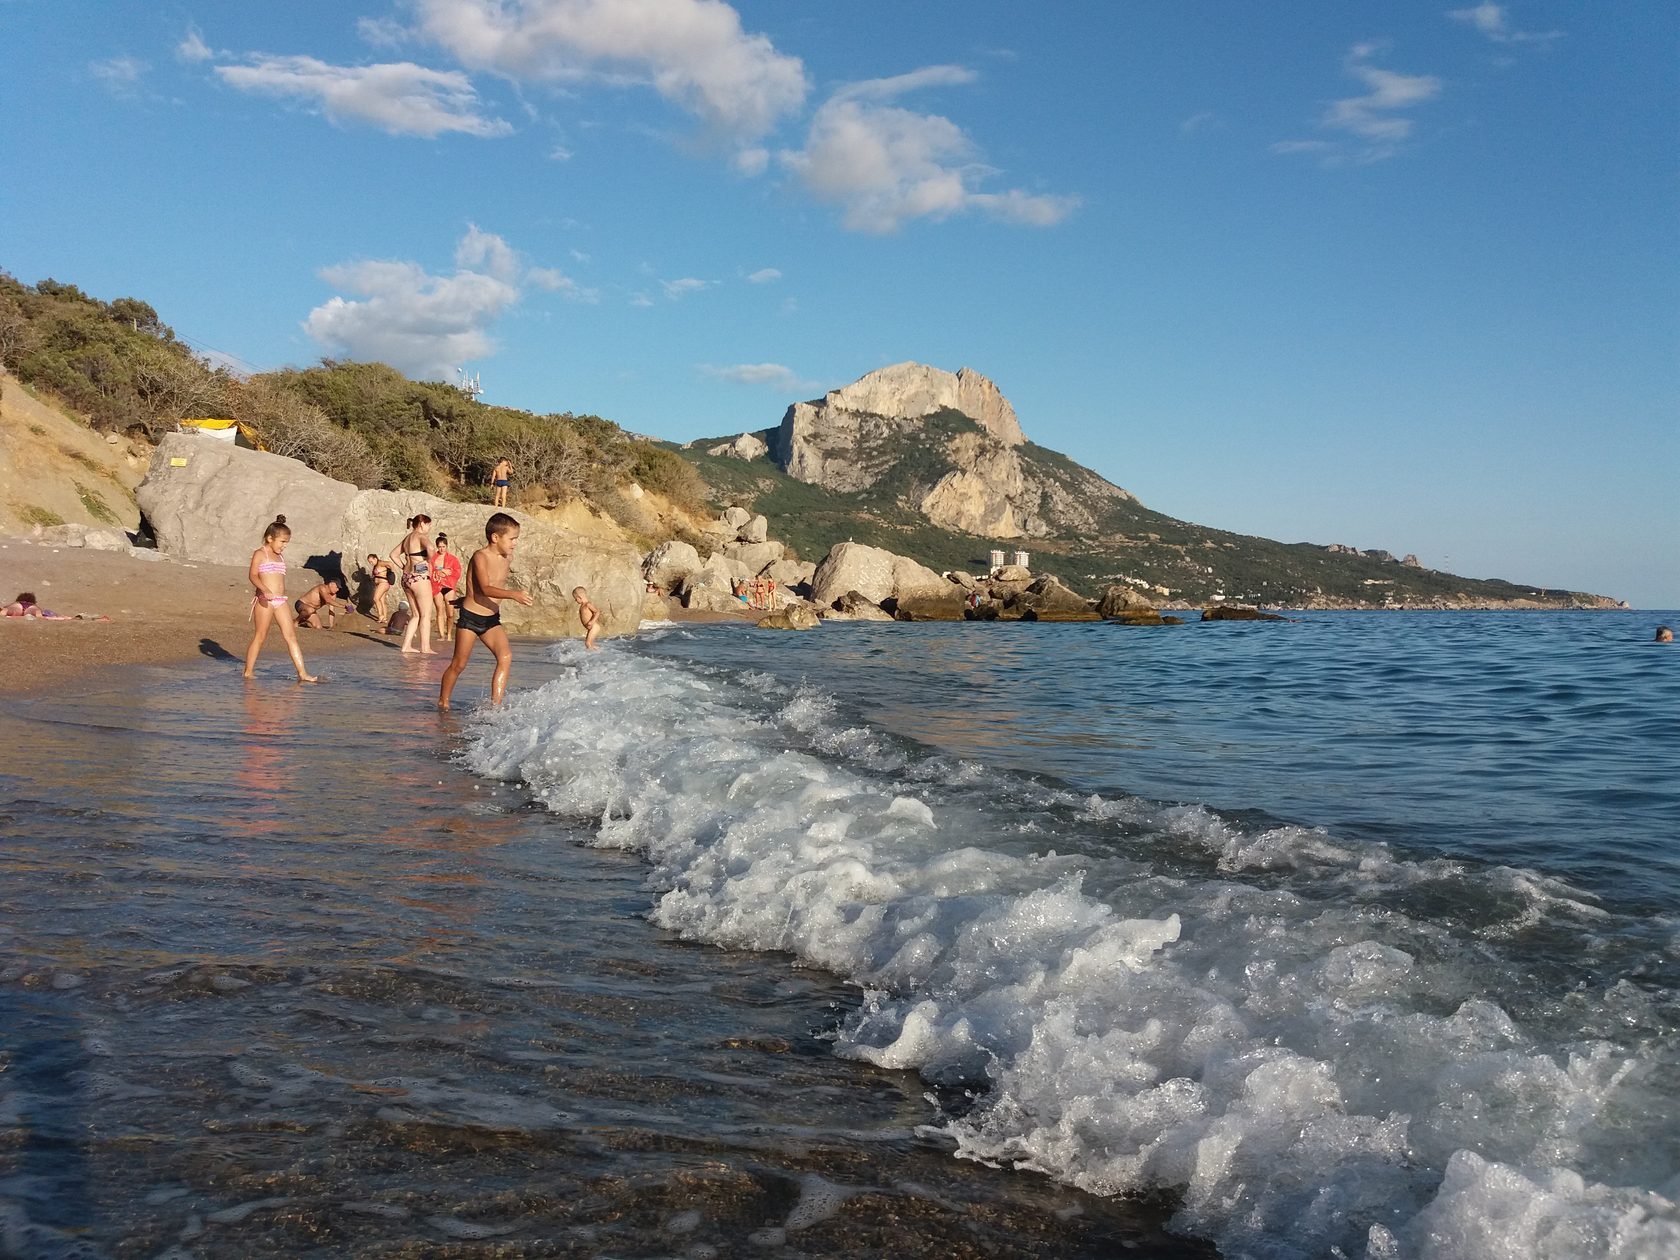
x=1195, y=563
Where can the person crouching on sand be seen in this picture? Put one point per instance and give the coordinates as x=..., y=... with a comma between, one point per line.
x=268, y=605
x=480, y=616
x=589, y=615
x=318, y=610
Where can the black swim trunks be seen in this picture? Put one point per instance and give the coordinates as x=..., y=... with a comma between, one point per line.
x=478, y=623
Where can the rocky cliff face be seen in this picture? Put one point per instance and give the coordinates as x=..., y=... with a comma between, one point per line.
x=973, y=479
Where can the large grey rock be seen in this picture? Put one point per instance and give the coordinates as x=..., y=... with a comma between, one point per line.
x=670, y=562
x=912, y=580
x=756, y=556
x=735, y=517
x=1012, y=573
x=1120, y=600
x=748, y=446
x=710, y=589
x=791, y=573
x=548, y=561
x=91, y=537
x=210, y=501
x=756, y=530
x=876, y=574
x=1048, y=595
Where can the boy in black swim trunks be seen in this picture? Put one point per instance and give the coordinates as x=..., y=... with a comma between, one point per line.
x=480, y=615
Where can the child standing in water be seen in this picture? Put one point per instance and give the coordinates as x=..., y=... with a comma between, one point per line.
x=268, y=605
x=589, y=615
x=480, y=616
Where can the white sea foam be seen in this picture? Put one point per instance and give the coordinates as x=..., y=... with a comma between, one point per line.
x=1143, y=997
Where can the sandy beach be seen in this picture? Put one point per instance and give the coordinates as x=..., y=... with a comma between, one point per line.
x=161, y=611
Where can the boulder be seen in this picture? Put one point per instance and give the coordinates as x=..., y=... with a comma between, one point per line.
x=548, y=561
x=88, y=536
x=654, y=607
x=735, y=517
x=1012, y=573
x=1238, y=612
x=210, y=501
x=791, y=573
x=793, y=617
x=916, y=581
x=756, y=530
x=855, y=607
x=964, y=580
x=1048, y=595
x=668, y=563
x=953, y=607
x=728, y=565
x=1119, y=600
x=755, y=556
x=747, y=446
x=853, y=568
x=1144, y=616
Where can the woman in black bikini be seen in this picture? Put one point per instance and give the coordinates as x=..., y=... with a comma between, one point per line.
x=414, y=554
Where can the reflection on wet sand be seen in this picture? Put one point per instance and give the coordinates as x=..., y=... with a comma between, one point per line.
x=291, y=982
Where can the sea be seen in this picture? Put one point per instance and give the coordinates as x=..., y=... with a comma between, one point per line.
x=1356, y=936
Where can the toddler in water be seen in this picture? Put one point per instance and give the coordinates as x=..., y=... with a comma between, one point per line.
x=480, y=616
x=589, y=615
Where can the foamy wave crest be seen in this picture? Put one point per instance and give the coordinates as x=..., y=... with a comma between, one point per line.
x=1309, y=1075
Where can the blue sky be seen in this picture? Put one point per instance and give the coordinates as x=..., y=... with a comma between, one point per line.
x=1399, y=276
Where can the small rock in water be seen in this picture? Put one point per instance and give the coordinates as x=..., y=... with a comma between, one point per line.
x=457, y=1228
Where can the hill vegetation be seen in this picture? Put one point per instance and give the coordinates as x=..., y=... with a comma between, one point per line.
x=121, y=366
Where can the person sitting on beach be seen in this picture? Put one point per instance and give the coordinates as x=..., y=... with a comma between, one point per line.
x=480, y=615
x=500, y=475
x=380, y=574
x=446, y=576
x=25, y=606
x=268, y=605
x=318, y=610
x=1665, y=634
x=589, y=615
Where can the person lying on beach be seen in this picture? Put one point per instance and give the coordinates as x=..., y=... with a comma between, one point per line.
x=268, y=605
x=589, y=615
x=318, y=610
x=25, y=606
x=480, y=616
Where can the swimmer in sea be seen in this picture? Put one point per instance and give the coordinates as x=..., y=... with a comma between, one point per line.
x=589, y=615
x=268, y=605
x=480, y=615
x=1664, y=635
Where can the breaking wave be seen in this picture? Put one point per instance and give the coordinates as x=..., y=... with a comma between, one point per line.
x=1316, y=1046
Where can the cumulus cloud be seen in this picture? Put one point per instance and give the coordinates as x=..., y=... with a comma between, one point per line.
x=885, y=165
x=1375, y=119
x=773, y=374
x=120, y=76
x=694, y=53
x=675, y=289
x=764, y=275
x=424, y=324
x=1493, y=21
x=400, y=97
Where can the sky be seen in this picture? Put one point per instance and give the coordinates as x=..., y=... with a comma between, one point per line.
x=1395, y=276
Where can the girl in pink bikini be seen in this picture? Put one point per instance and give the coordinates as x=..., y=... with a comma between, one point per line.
x=269, y=604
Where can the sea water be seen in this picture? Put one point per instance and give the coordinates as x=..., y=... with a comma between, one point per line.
x=1354, y=936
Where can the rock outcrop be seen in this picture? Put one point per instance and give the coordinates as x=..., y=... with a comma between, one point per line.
x=669, y=563
x=210, y=501
x=793, y=617
x=748, y=446
x=548, y=561
x=855, y=607
x=1238, y=612
x=875, y=574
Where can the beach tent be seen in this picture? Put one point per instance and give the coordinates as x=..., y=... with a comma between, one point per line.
x=225, y=430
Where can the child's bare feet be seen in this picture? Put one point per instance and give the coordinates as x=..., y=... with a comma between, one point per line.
x=309, y=678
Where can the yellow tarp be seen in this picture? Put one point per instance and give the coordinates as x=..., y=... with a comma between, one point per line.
x=207, y=424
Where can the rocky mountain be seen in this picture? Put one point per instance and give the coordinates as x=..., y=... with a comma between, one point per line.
x=935, y=465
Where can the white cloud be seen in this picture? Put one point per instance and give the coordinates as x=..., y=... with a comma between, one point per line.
x=1198, y=122
x=751, y=162
x=640, y=300
x=552, y=281
x=694, y=53
x=120, y=75
x=764, y=275
x=676, y=289
x=192, y=47
x=401, y=97
x=773, y=374
x=560, y=153
x=1375, y=119
x=1493, y=21
x=884, y=165
x=424, y=324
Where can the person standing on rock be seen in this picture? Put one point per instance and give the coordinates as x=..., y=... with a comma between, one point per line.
x=414, y=554
x=269, y=604
x=500, y=475
x=481, y=614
